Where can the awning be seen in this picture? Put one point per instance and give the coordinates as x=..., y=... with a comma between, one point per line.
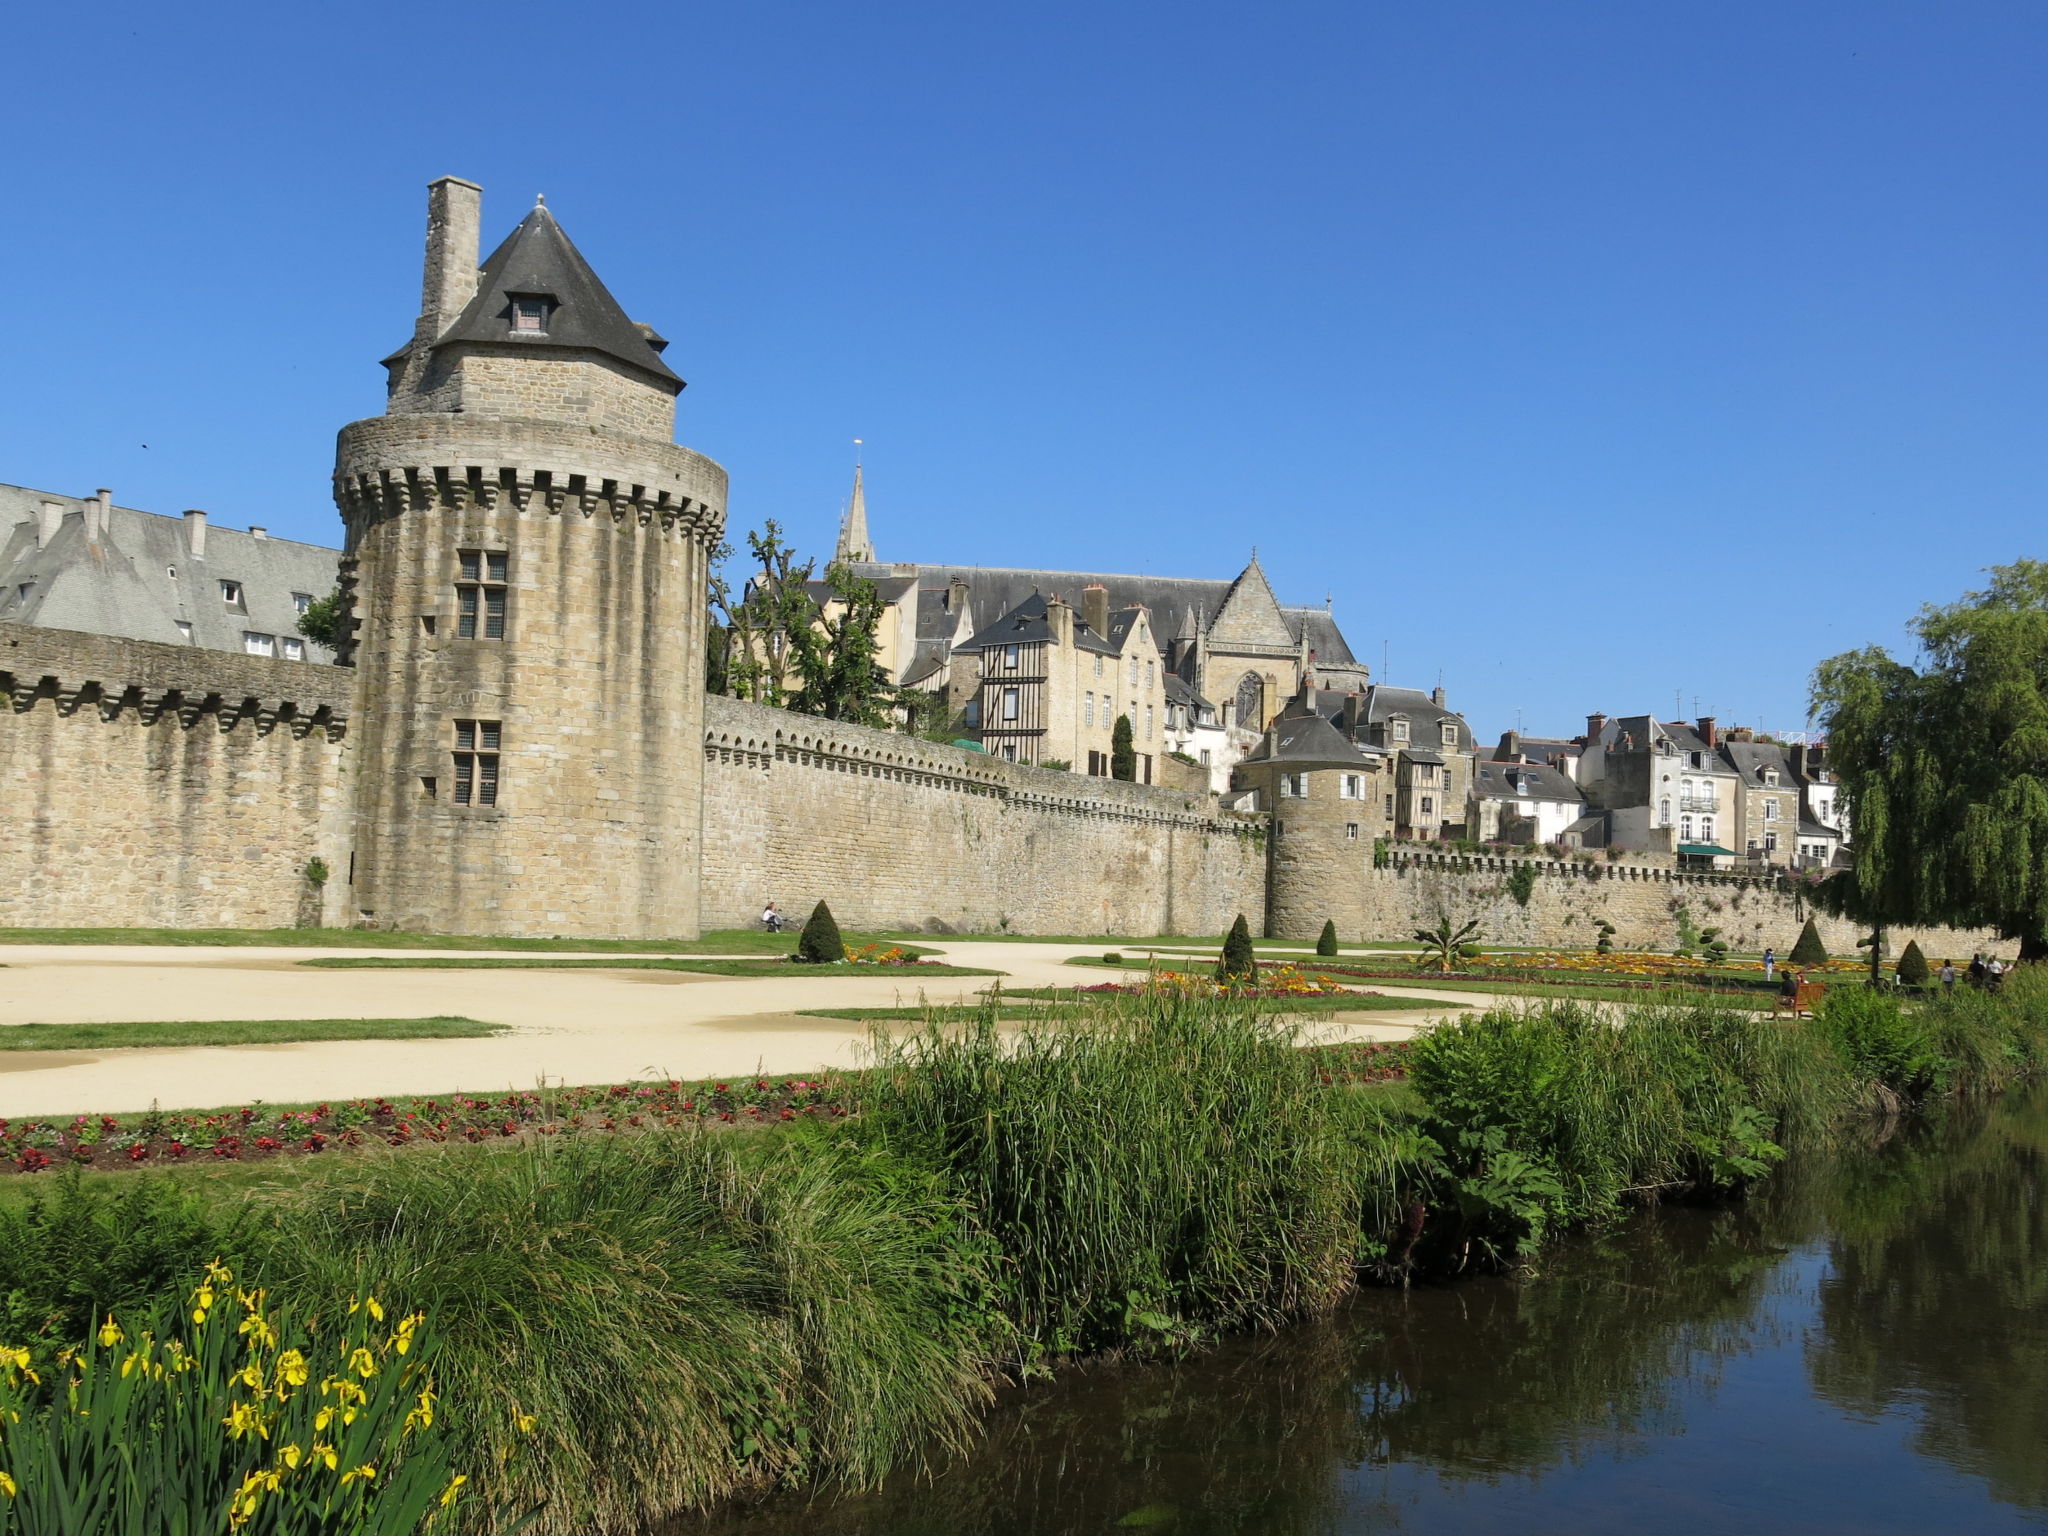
x=1706, y=850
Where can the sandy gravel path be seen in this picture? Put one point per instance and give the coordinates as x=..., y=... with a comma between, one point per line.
x=582, y=1026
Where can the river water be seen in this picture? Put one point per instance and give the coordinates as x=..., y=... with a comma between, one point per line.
x=1863, y=1348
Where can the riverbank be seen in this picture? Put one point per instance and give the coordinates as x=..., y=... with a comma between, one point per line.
x=686, y=1316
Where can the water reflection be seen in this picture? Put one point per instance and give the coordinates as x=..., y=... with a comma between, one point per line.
x=1773, y=1367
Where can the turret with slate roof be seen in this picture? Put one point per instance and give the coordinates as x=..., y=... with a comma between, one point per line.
x=525, y=566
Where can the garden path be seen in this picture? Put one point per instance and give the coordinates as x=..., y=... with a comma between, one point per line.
x=584, y=1026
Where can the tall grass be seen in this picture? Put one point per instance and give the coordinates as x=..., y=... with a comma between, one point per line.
x=684, y=1315
x=1169, y=1166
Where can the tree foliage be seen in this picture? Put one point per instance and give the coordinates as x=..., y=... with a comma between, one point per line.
x=325, y=620
x=1123, y=753
x=779, y=644
x=1327, y=943
x=1448, y=942
x=1944, y=767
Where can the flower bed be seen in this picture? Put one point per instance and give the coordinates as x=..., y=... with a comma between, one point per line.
x=254, y=1132
x=1282, y=980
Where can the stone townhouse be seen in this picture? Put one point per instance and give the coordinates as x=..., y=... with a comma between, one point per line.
x=1427, y=744
x=1525, y=802
x=83, y=563
x=1664, y=786
x=1054, y=683
x=1766, y=822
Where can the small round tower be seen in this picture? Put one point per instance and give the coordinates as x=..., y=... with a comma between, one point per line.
x=1325, y=797
x=526, y=560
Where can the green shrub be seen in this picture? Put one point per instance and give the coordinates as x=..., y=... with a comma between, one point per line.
x=77, y=1248
x=1912, y=967
x=1522, y=883
x=1113, y=957
x=1883, y=1042
x=819, y=943
x=1809, y=950
x=1123, y=751
x=1240, y=962
x=1326, y=943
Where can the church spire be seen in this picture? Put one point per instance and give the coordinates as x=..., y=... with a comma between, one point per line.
x=854, y=544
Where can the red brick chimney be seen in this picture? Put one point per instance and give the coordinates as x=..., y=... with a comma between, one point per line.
x=1708, y=733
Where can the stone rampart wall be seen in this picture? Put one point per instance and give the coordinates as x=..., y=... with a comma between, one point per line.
x=895, y=832
x=151, y=785
x=1640, y=896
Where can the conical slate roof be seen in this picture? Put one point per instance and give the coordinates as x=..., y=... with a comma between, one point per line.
x=538, y=258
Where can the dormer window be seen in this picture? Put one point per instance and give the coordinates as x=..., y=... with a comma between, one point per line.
x=1399, y=725
x=530, y=313
x=1450, y=734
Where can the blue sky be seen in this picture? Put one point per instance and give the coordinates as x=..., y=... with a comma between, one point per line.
x=1589, y=355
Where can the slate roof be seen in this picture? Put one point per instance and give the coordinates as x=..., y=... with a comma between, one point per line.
x=1524, y=781
x=1543, y=749
x=1750, y=758
x=122, y=584
x=1180, y=691
x=539, y=258
x=1174, y=601
x=1307, y=741
x=1811, y=828
x=1029, y=622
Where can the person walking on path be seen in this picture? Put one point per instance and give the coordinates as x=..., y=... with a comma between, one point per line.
x=1770, y=964
x=771, y=919
x=1948, y=977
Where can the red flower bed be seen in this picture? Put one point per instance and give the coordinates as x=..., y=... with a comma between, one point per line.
x=254, y=1132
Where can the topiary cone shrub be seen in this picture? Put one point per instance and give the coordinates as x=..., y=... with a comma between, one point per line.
x=1327, y=944
x=819, y=943
x=1238, y=962
x=1809, y=950
x=1912, y=968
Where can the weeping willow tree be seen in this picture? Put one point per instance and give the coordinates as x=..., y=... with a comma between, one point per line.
x=1944, y=767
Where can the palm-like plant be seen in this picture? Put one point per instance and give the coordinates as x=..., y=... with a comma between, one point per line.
x=1446, y=943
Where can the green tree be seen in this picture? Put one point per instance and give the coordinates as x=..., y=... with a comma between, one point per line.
x=1123, y=756
x=1912, y=967
x=1809, y=950
x=1240, y=962
x=820, y=943
x=836, y=658
x=325, y=621
x=1944, y=767
x=1327, y=944
x=769, y=624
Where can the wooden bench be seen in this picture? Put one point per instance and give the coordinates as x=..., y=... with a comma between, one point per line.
x=1804, y=999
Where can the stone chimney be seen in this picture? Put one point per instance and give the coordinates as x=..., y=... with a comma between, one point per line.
x=1595, y=724
x=102, y=510
x=49, y=518
x=1436, y=695
x=258, y=531
x=195, y=533
x=1095, y=607
x=1707, y=731
x=1059, y=617
x=454, y=225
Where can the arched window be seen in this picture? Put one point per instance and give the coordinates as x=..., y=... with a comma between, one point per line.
x=1251, y=702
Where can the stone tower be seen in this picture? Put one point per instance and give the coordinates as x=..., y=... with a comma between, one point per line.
x=525, y=561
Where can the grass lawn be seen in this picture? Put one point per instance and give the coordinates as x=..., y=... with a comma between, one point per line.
x=116, y=1037
x=731, y=941
x=775, y=967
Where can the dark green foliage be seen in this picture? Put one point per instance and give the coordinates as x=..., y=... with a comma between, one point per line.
x=1447, y=943
x=1942, y=768
x=1912, y=967
x=819, y=943
x=1239, y=962
x=76, y=1248
x=1883, y=1043
x=836, y=657
x=1809, y=950
x=1327, y=943
x=1522, y=883
x=316, y=871
x=1607, y=931
x=1123, y=754
x=325, y=621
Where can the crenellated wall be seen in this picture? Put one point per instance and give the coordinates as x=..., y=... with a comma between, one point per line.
x=895, y=832
x=150, y=785
x=1640, y=894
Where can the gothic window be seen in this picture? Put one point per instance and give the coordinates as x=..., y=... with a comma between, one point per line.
x=1251, y=702
x=480, y=594
x=476, y=761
